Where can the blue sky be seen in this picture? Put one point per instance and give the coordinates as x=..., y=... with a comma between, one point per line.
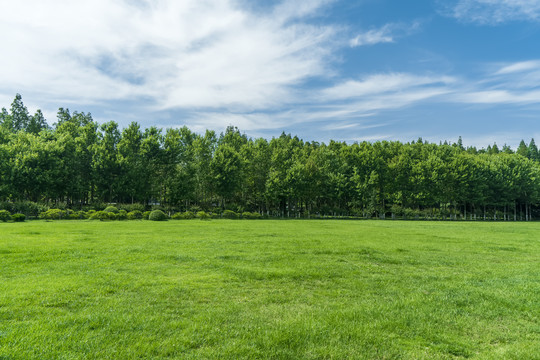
x=320, y=69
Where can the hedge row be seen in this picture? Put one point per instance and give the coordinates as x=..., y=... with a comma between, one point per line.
x=6, y=216
x=112, y=213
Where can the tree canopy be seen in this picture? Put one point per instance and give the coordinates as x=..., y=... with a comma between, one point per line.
x=78, y=162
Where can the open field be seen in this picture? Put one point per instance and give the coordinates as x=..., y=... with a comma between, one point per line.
x=269, y=289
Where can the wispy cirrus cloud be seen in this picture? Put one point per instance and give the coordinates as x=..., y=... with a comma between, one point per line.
x=384, y=84
x=169, y=54
x=494, y=11
x=385, y=34
x=519, y=67
x=513, y=83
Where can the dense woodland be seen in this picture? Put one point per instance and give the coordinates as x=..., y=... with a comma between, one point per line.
x=77, y=163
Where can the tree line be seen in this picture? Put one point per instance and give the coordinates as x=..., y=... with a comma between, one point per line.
x=77, y=163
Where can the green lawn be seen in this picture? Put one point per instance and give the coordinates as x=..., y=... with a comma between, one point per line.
x=269, y=289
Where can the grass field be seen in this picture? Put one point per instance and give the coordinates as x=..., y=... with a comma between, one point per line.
x=269, y=289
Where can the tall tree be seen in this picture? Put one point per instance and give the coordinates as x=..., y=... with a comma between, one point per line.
x=19, y=114
x=532, y=151
x=522, y=149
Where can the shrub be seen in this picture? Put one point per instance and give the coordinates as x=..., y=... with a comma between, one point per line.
x=135, y=215
x=96, y=206
x=251, y=215
x=82, y=215
x=184, y=216
x=122, y=215
x=6, y=205
x=203, y=215
x=146, y=214
x=18, y=217
x=229, y=214
x=61, y=205
x=5, y=215
x=53, y=214
x=28, y=208
x=133, y=207
x=157, y=215
x=111, y=209
x=72, y=215
x=100, y=215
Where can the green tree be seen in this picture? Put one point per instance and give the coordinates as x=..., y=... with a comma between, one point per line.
x=522, y=149
x=105, y=161
x=19, y=115
x=37, y=123
x=532, y=151
x=226, y=168
x=131, y=164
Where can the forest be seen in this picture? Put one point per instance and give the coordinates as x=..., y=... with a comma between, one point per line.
x=77, y=163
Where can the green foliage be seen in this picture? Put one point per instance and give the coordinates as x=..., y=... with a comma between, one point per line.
x=80, y=164
x=251, y=215
x=101, y=215
x=183, y=215
x=157, y=215
x=18, y=217
x=28, y=208
x=122, y=215
x=146, y=215
x=202, y=215
x=53, y=214
x=5, y=215
x=133, y=207
x=111, y=209
x=80, y=215
x=229, y=214
x=135, y=215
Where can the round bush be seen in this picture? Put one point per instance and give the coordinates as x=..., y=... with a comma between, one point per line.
x=18, y=217
x=184, y=216
x=53, y=214
x=146, y=214
x=111, y=209
x=5, y=215
x=72, y=215
x=203, y=215
x=229, y=214
x=251, y=215
x=122, y=215
x=157, y=215
x=99, y=215
x=135, y=215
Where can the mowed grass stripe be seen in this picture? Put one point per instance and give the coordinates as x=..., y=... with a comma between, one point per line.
x=269, y=289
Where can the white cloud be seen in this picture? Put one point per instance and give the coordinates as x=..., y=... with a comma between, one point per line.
x=519, y=67
x=386, y=34
x=515, y=83
x=499, y=97
x=495, y=11
x=371, y=37
x=383, y=83
x=177, y=54
x=291, y=9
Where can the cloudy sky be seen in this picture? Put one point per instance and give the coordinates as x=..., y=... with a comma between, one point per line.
x=347, y=70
